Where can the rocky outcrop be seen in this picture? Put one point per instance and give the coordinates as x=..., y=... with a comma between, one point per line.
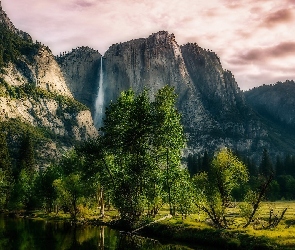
x=80, y=68
x=49, y=113
x=39, y=69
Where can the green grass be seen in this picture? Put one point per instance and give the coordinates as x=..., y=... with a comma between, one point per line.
x=195, y=229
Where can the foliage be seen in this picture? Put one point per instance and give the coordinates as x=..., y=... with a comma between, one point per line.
x=266, y=167
x=12, y=46
x=214, y=189
x=26, y=154
x=22, y=196
x=70, y=186
x=5, y=186
x=45, y=191
x=143, y=140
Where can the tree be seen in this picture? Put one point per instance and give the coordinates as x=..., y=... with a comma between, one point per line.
x=70, y=186
x=26, y=153
x=168, y=134
x=266, y=166
x=44, y=188
x=6, y=179
x=143, y=140
x=214, y=189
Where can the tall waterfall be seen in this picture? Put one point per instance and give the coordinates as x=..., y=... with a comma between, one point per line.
x=99, y=102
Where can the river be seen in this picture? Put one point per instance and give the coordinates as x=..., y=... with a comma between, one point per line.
x=28, y=234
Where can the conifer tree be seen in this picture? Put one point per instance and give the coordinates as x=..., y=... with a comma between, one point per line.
x=26, y=153
x=266, y=166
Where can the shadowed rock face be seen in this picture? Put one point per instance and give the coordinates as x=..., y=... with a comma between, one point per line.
x=81, y=71
x=274, y=102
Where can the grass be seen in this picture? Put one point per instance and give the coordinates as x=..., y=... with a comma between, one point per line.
x=195, y=229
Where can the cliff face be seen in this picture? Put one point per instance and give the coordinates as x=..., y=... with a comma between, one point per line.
x=39, y=69
x=213, y=108
x=34, y=93
x=152, y=63
x=80, y=68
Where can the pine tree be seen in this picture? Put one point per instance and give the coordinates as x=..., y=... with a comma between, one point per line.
x=26, y=153
x=266, y=166
x=5, y=161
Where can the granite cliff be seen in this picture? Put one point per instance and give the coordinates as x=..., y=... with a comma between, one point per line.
x=80, y=68
x=214, y=111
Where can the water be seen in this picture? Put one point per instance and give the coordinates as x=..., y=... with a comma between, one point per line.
x=99, y=102
x=26, y=234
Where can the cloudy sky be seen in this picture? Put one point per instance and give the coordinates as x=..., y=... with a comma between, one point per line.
x=255, y=39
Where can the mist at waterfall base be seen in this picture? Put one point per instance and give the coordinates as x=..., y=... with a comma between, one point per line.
x=99, y=102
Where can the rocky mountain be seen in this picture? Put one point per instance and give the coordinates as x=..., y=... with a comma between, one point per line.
x=34, y=95
x=275, y=102
x=214, y=111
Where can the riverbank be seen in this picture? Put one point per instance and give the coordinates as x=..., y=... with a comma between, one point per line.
x=195, y=230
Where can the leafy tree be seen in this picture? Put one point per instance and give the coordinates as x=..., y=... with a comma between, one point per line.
x=287, y=186
x=168, y=135
x=214, y=189
x=98, y=173
x=70, y=187
x=22, y=196
x=44, y=189
x=5, y=186
x=70, y=192
x=143, y=140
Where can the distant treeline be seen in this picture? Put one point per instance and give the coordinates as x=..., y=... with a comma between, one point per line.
x=283, y=170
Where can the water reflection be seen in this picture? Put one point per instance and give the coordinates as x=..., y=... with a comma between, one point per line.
x=26, y=234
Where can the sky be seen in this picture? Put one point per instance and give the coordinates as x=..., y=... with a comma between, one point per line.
x=255, y=39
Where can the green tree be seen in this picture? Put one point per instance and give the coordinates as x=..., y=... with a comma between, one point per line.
x=214, y=189
x=22, y=196
x=26, y=153
x=70, y=187
x=44, y=189
x=6, y=179
x=168, y=136
x=143, y=140
x=4, y=188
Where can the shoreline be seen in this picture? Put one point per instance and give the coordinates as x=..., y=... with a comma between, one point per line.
x=168, y=231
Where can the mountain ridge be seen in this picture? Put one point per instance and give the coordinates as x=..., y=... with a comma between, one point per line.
x=214, y=110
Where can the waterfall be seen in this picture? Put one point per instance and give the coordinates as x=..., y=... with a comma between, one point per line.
x=99, y=102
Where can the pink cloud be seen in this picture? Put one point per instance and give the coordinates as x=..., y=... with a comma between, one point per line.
x=277, y=17
x=260, y=55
